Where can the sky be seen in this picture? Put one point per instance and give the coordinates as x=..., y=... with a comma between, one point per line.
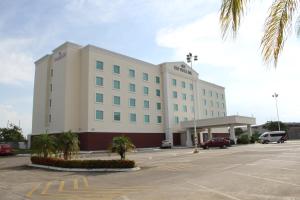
x=155, y=31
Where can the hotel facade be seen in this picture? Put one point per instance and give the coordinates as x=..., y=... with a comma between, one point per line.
x=100, y=94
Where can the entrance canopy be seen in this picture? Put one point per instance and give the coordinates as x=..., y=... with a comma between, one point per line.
x=233, y=120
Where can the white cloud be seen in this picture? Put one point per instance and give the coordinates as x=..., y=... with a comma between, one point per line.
x=238, y=66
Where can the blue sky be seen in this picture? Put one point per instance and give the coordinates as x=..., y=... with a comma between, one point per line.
x=152, y=30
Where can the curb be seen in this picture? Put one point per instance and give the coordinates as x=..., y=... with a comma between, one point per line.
x=85, y=170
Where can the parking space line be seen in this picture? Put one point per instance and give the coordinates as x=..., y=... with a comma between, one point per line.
x=266, y=179
x=214, y=191
x=61, y=186
x=46, y=188
x=35, y=187
x=85, y=181
x=75, y=184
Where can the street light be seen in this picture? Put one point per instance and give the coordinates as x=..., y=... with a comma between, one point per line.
x=190, y=58
x=275, y=95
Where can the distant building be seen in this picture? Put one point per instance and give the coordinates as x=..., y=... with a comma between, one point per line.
x=293, y=129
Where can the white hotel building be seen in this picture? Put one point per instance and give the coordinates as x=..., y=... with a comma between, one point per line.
x=100, y=94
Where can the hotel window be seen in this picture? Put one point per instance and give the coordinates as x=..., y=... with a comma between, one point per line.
x=175, y=94
x=212, y=113
x=174, y=82
x=217, y=95
x=146, y=104
x=192, y=109
x=157, y=79
x=132, y=117
x=185, y=119
x=224, y=114
x=158, y=92
x=116, y=69
x=205, y=102
x=50, y=103
x=206, y=113
x=117, y=100
x=176, y=119
x=51, y=87
x=184, y=108
x=159, y=119
x=223, y=105
x=218, y=104
x=191, y=86
x=218, y=114
x=147, y=119
x=210, y=93
x=131, y=87
x=99, y=81
x=222, y=95
x=183, y=96
x=51, y=72
x=131, y=73
x=99, y=115
x=117, y=116
x=132, y=102
x=117, y=84
x=192, y=97
x=146, y=90
x=175, y=106
x=158, y=106
x=99, y=98
x=99, y=65
x=182, y=84
x=49, y=118
x=145, y=77
x=203, y=92
x=211, y=103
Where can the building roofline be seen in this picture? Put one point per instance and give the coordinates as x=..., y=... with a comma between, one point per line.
x=213, y=84
x=42, y=58
x=67, y=43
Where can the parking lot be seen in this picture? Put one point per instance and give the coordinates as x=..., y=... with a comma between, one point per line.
x=257, y=171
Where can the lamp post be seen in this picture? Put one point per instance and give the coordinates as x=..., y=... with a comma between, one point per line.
x=275, y=95
x=190, y=58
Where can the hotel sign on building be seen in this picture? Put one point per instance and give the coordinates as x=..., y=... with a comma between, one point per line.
x=182, y=68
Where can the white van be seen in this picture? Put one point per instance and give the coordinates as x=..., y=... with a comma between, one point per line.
x=273, y=136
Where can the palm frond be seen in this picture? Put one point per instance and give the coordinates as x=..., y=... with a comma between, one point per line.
x=231, y=13
x=277, y=28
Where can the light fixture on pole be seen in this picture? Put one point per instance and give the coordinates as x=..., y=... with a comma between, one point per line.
x=190, y=58
x=275, y=95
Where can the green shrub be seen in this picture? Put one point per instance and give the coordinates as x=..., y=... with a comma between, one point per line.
x=254, y=138
x=56, y=162
x=243, y=139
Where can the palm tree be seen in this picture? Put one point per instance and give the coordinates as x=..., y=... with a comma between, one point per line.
x=68, y=144
x=43, y=144
x=121, y=145
x=277, y=25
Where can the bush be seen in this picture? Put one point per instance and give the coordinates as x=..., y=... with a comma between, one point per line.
x=56, y=162
x=244, y=139
x=254, y=138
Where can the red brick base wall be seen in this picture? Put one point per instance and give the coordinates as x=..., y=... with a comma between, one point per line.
x=101, y=141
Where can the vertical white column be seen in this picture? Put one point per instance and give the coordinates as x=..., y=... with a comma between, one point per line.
x=188, y=138
x=232, y=134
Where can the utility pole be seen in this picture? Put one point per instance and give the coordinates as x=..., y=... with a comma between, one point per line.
x=275, y=96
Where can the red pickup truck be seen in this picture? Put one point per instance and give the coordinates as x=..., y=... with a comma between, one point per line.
x=216, y=142
x=5, y=149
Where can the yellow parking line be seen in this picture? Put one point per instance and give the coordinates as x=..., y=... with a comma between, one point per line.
x=35, y=187
x=85, y=181
x=75, y=184
x=46, y=188
x=61, y=186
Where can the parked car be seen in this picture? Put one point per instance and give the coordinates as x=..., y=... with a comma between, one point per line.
x=5, y=149
x=166, y=144
x=216, y=142
x=273, y=136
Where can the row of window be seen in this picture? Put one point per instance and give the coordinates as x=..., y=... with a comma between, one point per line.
x=212, y=104
x=183, y=84
x=184, y=108
x=211, y=94
x=183, y=96
x=131, y=72
x=99, y=115
x=212, y=113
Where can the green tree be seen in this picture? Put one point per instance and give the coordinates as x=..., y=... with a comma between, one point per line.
x=11, y=134
x=273, y=126
x=68, y=144
x=238, y=131
x=43, y=145
x=277, y=25
x=121, y=145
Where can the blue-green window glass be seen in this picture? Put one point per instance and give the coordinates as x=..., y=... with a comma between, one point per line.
x=158, y=92
x=184, y=108
x=117, y=100
x=131, y=87
x=184, y=96
x=174, y=82
x=158, y=106
x=99, y=98
x=145, y=77
x=131, y=73
x=99, y=65
x=174, y=94
x=159, y=119
x=99, y=115
x=147, y=118
x=117, y=84
x=218, y=114
x=117, y=116
x=210, y=93
x=132, y=117
x=191, y=86
x=99, y=81
x=176, y=119
x=116, y=69
x=146, y=104
x=157, y=79
x=183, y=84
x=192, y=97
x=205, y=102
x=146, y=90
x=222, y=95
x=185, y=119
x=203, y=92
x=192, y=109
x=211, y=103
x=217, y=95
x=212, y=113
x=175, y=106
x=132, y=102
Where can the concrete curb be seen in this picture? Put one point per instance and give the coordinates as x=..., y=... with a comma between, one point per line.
x=85, y=170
